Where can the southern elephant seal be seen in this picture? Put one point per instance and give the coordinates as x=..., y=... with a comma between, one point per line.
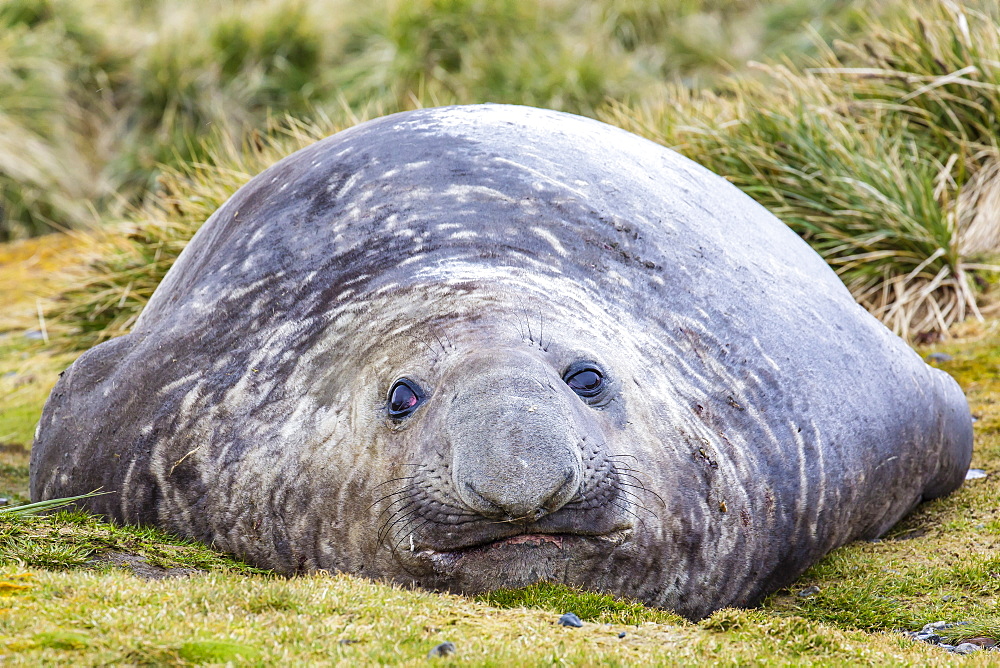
x=478, y=347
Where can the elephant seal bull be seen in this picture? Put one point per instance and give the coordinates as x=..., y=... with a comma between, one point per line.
x=476, y=347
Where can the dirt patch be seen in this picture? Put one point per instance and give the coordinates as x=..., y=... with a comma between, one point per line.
x=141, y=568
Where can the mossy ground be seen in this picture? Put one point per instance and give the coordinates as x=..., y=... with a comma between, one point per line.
x=76, y=591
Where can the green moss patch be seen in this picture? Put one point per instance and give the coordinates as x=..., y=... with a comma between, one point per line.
x=73, y=539
x=217, y=651
x=62, y=640
x=588, y=606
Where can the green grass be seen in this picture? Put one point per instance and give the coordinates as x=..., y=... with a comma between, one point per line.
x=72, y=538
x=81, y=617
x=588, y=606
x=94, y=99
x=23, y=380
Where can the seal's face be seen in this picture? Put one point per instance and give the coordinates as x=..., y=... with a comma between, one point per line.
x=507, y=437
x=513, y=452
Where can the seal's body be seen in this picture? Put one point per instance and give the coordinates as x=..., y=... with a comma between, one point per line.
x=479, y=347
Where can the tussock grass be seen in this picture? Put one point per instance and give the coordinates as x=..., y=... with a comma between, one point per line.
x=882, y=157
x=108, y=295
x=94, y=99
x=877, y=153
x=42, y=506
x=45, y=177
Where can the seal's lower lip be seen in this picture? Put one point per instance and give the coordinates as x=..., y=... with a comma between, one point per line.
x=533, y=540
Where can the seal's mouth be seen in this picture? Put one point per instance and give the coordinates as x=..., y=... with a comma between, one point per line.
x=527, y=540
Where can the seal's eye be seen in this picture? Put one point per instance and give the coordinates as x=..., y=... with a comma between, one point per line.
x=586, y=382
x=403, y=399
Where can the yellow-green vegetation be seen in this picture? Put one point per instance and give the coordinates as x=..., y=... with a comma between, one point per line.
x=880, y=152
x=82, y=617
x=95, y=96
x=67, y=539
x=28, y=367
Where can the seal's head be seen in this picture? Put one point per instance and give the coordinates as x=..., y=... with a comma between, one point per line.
x=479, y=347
x=510, y=456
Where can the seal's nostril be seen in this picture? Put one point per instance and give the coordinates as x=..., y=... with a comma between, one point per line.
x=564, y=493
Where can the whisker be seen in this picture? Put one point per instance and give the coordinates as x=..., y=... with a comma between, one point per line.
x=397, y=510
x=392, y=542
x=438, y=339
x=636, y=502
x=410, y=533
x=426, y=345
x=633, y=457
x=386, y=529
x=639, y=506
x=628, y=511
x=541, y=330
x=447, y=338
x=507, y=521
x=645, y=489
x=382, y=484
x=623, y=474
x=632, y=470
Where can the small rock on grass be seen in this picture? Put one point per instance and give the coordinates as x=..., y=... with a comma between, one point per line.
x=975, y=474
x=966, y=648
x=983, y=641
x=929, y=634
x=937, y=626
x=444, y=649
x=809, y=591
x=570, y=619
x=938, y=357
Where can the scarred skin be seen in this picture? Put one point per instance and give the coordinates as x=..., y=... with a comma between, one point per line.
x=751, y=416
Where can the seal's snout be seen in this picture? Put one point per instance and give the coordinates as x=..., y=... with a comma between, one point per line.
x=513, y=459
x=525, y=499
x=513, y=444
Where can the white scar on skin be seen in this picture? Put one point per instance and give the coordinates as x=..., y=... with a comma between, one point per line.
x=551, y=238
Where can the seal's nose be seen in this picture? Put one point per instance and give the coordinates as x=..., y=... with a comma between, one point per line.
x=525, y=498
x=513, y=437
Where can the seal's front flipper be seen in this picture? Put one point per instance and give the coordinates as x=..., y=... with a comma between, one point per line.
x=955, y=428
x=68, y=458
